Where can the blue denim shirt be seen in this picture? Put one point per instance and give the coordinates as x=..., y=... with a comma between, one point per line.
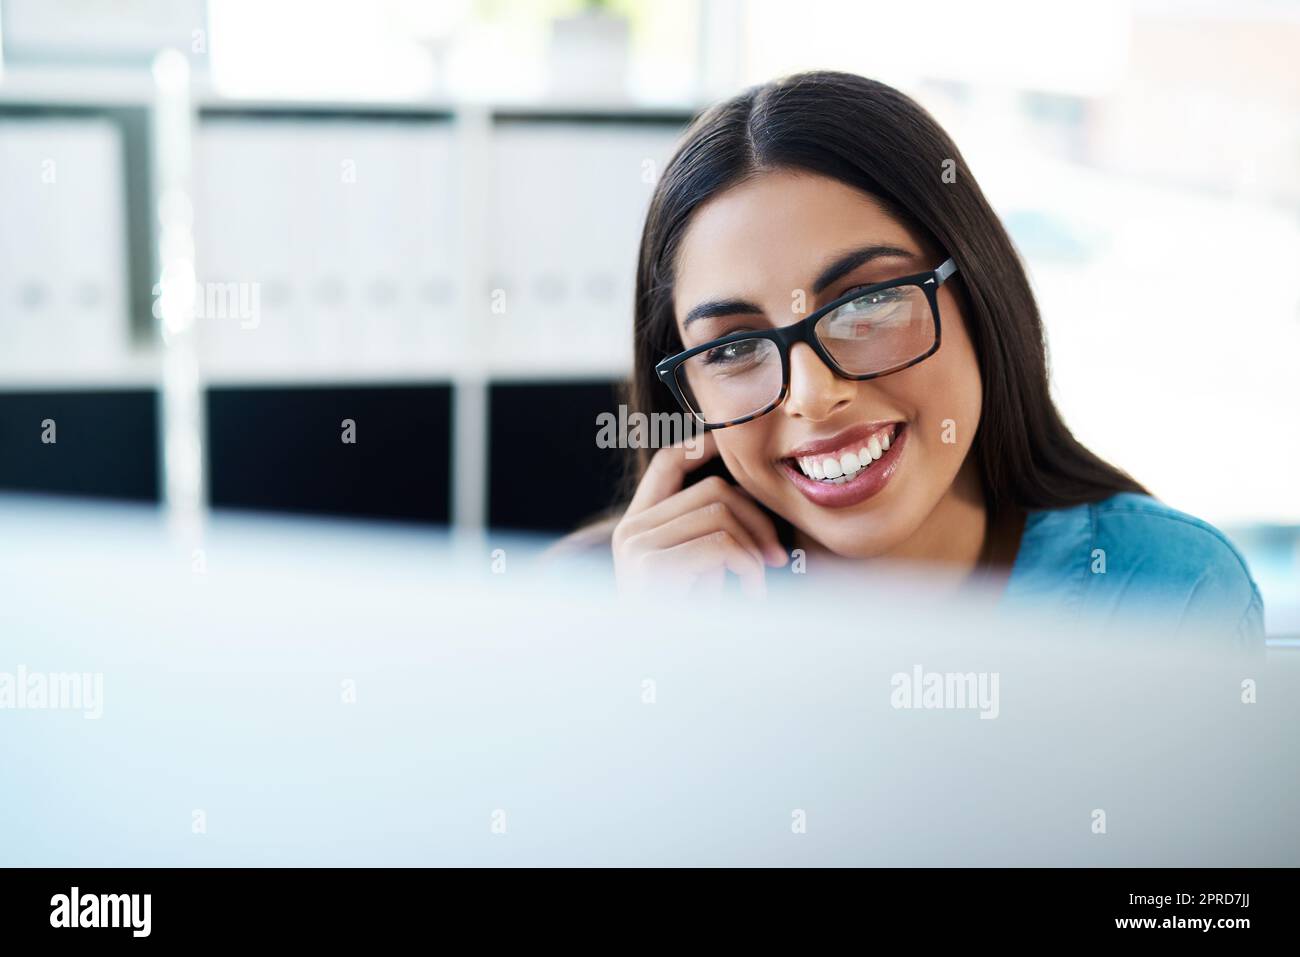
x=1130, y=556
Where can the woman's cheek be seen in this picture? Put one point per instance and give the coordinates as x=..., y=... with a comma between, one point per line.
x=969, y=402
x=949, y=395
x=735, y=453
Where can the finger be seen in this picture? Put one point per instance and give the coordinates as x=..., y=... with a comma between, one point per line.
x=710, y=517
x=757, y=524
x=700, y=555
x=668, y=470
x=709, y=584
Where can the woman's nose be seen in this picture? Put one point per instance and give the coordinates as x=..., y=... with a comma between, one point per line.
x=816, y=392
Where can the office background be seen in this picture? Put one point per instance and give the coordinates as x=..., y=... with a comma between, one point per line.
x=423, y=218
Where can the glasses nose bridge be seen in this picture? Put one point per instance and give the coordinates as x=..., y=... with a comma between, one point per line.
x=836, y=379
x=795, y=333
x=803, y=331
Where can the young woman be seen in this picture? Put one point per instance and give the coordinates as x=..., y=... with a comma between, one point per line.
x=824, y=287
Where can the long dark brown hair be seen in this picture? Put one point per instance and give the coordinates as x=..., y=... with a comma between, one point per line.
x=872, y=137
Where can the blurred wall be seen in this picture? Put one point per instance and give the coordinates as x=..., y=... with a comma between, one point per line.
x=389, y=197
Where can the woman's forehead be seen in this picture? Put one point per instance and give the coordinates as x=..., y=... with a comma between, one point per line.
x=773, y=234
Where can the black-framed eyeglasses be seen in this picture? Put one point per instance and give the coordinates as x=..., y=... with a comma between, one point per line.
x=864, y=334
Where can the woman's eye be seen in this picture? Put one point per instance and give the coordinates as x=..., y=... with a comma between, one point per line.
x=875, y=298
x=731, y=352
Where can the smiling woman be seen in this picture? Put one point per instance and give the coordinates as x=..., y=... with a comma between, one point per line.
x=851, y=323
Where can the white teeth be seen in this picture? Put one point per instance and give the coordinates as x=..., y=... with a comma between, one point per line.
x=836, y=470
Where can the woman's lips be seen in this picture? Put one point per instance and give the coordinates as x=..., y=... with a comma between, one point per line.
x=864, y=484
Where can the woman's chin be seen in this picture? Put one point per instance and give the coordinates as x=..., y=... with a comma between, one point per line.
x=852, y=537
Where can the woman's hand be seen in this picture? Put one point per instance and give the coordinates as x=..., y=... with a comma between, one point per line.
x=690, y=538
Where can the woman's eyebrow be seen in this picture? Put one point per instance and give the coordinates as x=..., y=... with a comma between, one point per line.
x=850, y=261
x=846, y=263
x=721, y=307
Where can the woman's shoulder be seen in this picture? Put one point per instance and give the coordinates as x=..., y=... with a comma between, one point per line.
x=1131, y=550
x=1166, y=537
